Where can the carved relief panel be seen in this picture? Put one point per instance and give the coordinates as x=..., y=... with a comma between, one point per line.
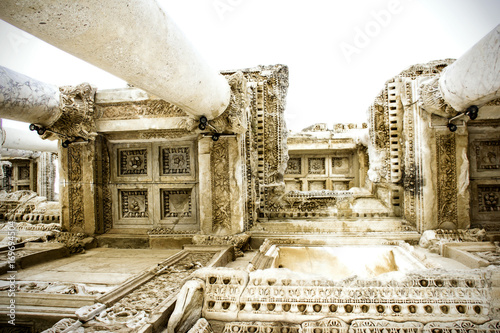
x=331, y=170
x=133, y=205
x=154, y=185
x=484, y=155
x=132, y=163
x=176, y=161
x=294, y=166
x=178, y=206
x=316, y=166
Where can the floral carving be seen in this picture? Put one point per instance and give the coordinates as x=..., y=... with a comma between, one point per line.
x=77, y=119
x=221, y=205
x=446, y=180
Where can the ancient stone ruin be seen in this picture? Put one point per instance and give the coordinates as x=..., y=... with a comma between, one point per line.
x=185, y=205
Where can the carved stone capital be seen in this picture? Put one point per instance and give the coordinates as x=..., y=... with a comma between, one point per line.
x=431, y=99
x=77, y=119
x=234, y=118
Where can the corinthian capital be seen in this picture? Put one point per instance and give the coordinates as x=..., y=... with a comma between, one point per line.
x=77, y=118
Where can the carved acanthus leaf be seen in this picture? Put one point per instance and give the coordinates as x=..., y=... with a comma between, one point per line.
x=234, y=119
x=77, y=119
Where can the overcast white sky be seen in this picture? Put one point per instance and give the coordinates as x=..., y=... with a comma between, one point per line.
x=339, y=53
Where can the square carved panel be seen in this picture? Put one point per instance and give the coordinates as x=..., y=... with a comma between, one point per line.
x=176, y=203
x=134, y=204
x=316, y=166
x=317, y=185
x=23, y=172
x=488, y=198
x=176, y=161
x=488, y=155
x=293, y=185
x=294, y=166
x=133, y=162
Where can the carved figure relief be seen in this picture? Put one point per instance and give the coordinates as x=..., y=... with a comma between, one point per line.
x=177, y=203
x=316, y=166
x=294, y=166
x=133, y=162
x=176, y=161
x=134, y=203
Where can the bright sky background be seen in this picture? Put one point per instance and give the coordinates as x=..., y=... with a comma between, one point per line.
x=339, y=53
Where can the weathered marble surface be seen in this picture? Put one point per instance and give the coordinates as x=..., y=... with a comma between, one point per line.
x=25, y=99
x=473, y=79
x=156, y=57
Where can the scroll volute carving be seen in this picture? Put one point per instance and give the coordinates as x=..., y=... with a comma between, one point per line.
x=77, y=119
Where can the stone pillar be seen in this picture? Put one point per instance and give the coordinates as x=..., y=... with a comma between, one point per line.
x=473, y=79
x=221, y=186
x=25, y=99
x=134, y=40
x=77, y=190
x=46, y=175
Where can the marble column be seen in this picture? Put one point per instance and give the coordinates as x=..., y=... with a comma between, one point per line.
x=134, y=40
x=25, y=99
x=474, y=78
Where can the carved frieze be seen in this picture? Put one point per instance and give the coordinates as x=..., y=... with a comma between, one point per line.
x=75, y=191
x=176, y=203
x=152, y=108
x=446, y=180
x=134, y=203
x=221, y=190
x=133, y=162
x=176, y=161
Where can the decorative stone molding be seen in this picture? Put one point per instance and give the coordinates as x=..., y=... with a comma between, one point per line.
x=234, y=118
x=75, y=189
x=88, y=312
x=151, y=108
x=446, y=181
x=325, y=325
x=288, y=296
x=462, y=326
x=239, y=241
x=382, y=326
x=201, y=326
x=65, y=325
x=77, y=119
x=261, y=327
x=221, y=189
x=432, y=101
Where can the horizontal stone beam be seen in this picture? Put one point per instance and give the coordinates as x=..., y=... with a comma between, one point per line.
x=25, y=99
x=134, y=40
